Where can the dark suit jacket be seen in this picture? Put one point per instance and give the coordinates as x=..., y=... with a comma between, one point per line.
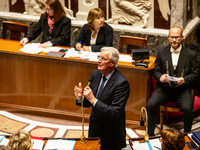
x=107, y=119
x=104, y=38
x=187, y=64
x=59, y=36
x=196, y=47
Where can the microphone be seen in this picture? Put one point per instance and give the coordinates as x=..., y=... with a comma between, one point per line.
x=82, y=140
x=90, y=80
x=141, y=120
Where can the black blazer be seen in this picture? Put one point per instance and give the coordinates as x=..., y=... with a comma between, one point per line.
x=59, y=36
x=104, y=38
x=196, y=47
x=187, y=64
x=107, y=119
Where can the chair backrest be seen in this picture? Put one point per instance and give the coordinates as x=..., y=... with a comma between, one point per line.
x=132, y=42
x=15, y=29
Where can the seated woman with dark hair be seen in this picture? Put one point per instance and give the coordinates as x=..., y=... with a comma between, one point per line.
x=54, y=24
x=21, y=140
x=172, y=140
x=96, y=34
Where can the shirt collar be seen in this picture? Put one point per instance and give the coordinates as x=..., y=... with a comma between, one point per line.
x=109, y=75
x=177, y=50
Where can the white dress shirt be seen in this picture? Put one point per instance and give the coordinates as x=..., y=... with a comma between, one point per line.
x=175, y=55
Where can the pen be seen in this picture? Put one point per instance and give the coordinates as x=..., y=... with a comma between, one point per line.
x=157, y=147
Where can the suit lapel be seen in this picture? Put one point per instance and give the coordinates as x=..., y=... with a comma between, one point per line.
x=99, y=35
x=182, y=60
x=46, y=26
x=55, y=30
x=169, y=59
x=96, y=83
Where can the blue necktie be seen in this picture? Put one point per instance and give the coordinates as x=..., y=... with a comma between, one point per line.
x=102, y=86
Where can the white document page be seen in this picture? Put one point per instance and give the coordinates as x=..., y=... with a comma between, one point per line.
x=125, y=58
x=54, y=49
x=155, y=144
x=72, y=53
x=52, y=144
x=93, y=56
x=37, y=144
x=67, y=145
x=4, y=142
x=32, y=48
x=170, y=78
x=141, y=146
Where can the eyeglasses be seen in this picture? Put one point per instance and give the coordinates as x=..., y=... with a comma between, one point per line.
x=102, y=58
x=175, y=37
x=49, y=10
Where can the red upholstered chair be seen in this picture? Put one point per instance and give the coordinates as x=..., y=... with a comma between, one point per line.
x=170, y=106
x=15, y=29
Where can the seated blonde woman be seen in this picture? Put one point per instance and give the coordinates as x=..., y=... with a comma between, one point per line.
x=172, y=140
x=21, y=140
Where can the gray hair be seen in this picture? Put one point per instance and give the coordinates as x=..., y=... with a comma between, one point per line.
x=114, y=55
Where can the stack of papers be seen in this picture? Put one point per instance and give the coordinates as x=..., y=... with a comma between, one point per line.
x=32, y=48
x=91, y=56
x=4, y=141
x=37, y=143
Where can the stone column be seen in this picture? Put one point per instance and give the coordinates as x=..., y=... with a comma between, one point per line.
x=84, y=7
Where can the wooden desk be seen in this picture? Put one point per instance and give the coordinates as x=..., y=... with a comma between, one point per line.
x=46, y=84
x=187, y=139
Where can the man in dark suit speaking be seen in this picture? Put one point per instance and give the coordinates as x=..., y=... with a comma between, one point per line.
x=107, y=94
x=176, y=61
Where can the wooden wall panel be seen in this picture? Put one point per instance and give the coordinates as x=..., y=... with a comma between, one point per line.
x=159, y=21
x=74, y=6
x=102, y=5
x=17, y=7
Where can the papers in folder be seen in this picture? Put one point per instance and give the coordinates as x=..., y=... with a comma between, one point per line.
x=170, y=78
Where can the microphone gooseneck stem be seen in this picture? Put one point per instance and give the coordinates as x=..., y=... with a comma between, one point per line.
x=146, y=136
x=83, y=141
x=83, y=136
